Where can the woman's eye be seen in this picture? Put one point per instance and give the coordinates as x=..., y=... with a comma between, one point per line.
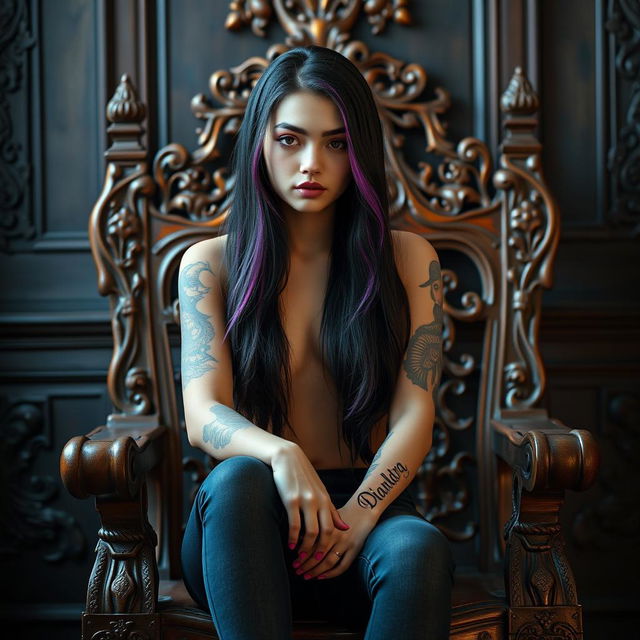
x=341, y=144
x=283, y=140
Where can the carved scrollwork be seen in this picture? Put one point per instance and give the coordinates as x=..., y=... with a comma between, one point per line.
x=123, y=256
x=28, y=520
x=121, y=215
x=306, y=21
x=124, y=577
x=189, y=187
x=624, y=155
x=532, y=238
x=540, y=585
x=15, y=40
x=123, y=629
x=457, y=183
x=435, y=503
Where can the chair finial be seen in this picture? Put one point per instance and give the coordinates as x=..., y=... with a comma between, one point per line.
x=519, y=98
x=124, y=106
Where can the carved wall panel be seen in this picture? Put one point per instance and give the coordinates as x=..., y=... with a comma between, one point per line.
x=16, y=39
x=623, y=23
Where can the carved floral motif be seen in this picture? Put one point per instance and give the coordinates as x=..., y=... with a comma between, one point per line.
x=28, y=519
x=15, y=40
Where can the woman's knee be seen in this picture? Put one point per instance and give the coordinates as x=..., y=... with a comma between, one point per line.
x=417, y=547
x=238, y=480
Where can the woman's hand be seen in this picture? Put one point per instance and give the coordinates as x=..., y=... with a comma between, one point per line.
x=306, y=500
x=335, y=558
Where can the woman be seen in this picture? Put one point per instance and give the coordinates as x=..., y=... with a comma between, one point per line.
x=311, y=351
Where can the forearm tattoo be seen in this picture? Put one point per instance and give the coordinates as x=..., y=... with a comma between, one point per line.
x=374, y=462
x=423, y=362
x=196, y=327
x=225, y=423
x=369, y=499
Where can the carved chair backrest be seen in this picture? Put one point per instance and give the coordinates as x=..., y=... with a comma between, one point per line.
x=495, y=231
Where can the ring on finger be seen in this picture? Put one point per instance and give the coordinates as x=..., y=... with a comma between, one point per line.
x=339, y=554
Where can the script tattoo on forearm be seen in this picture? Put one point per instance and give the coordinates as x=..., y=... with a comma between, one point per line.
x=423, y=362
x=225, y=423
x=197, y=329
x=374, y=462
x=369, y=499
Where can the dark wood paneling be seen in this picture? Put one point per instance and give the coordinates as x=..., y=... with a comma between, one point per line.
x=69, y=113
x=568, y=107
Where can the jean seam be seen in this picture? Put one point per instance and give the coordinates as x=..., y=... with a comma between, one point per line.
x=373, y=575
x=206, y=582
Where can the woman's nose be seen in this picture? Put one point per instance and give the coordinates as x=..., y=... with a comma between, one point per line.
x=310, y=160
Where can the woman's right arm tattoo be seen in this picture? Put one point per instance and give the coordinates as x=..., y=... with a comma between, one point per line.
x=225, y=423
x=196, y=327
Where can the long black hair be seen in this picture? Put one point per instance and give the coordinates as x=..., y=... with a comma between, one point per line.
x=365, y=321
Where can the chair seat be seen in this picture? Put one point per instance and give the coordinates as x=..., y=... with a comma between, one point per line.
x=478, y=605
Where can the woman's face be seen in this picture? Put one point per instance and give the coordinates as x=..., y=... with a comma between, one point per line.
x=305, y=141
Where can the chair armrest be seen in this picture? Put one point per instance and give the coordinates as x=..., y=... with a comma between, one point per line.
x=110, y=460
x=545, y=454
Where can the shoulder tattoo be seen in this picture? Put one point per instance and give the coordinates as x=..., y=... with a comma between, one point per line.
x=196, y=327
x=423, y=362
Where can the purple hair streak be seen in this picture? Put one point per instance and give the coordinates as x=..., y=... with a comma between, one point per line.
x=256, y=252
x=371, y=198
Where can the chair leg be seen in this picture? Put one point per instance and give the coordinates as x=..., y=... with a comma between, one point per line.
x=541, y=588
x=123, y=588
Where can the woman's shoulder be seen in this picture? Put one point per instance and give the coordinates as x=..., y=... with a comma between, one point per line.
x=211, y=251
x=412, y=251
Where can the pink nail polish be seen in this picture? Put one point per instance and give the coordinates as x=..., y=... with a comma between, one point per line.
x=307, y=576
x=292, y=545
x=296, y=564
x=303, y=555
x=319, y=555
x=299, y=572
x=322, y=576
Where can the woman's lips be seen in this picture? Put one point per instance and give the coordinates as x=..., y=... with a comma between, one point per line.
x=308, y=192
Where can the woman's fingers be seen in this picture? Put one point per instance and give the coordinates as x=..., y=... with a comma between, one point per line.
x=335, y=563
x=311, y=530
x=326, y=540
x=337, y=520
x=293, y=513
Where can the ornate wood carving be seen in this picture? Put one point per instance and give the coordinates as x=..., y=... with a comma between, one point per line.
x=541, y=589
x=27, y=519
x=125, y=576
x=531, y=236
x=118, y=243
x=15, y=40
x=131, y=627
x=308, y=22
x=624, y=154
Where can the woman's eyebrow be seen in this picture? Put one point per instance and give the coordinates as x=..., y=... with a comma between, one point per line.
x=286, y=125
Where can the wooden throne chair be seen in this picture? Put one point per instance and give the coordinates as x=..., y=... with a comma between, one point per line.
x=495, y=478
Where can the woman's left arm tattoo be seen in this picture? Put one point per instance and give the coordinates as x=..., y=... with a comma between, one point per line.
x=374, y=462
x=369, y=498
x=423, y=362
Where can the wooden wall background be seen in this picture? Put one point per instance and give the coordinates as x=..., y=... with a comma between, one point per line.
x=59, y=64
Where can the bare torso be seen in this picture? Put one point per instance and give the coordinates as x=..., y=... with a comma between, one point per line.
x=313, y=410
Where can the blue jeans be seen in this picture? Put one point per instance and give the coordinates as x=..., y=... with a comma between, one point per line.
x=237, y=565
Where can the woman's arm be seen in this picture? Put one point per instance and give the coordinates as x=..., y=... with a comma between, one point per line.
x=413, y=407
